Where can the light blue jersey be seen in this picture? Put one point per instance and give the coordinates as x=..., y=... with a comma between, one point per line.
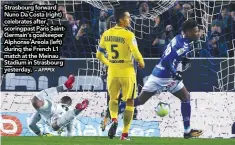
x=172, y=56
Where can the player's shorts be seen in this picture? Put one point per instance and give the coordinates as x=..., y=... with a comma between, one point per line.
x=155, y=84
x=126, y=84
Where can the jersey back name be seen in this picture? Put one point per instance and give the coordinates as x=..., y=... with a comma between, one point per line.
x=116, y=41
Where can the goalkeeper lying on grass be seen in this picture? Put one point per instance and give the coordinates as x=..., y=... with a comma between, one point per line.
x=56, y=116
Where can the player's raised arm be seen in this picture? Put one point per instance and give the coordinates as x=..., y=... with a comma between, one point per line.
x=135, y=51
x=100, y=54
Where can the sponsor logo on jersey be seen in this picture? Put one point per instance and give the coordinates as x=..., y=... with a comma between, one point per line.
x=181, y=51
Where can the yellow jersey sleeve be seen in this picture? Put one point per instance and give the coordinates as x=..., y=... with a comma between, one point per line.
x=101, y=52
x=132, y=43
x=102, y=42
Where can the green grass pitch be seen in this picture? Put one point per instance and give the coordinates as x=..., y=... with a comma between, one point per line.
x=116, y=141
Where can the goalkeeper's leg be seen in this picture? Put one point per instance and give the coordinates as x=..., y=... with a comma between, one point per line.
x=68, y=116
x=38, y=100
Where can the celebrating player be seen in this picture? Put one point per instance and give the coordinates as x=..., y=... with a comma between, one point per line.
x=50, y=112
x=165, y=76
x=120, y=44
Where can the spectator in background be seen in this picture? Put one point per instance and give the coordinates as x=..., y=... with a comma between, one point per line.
x=102, y=21
x=157, y=35
x=225, y=17
x=83, y=30
x=144, y=9
x=111, y=22
x=206, y=21
x=187, y=10
x=174, y=18
x=157, y=31
x=233, y=24
x=161, y=36
x=217, y=44
x=233, y=15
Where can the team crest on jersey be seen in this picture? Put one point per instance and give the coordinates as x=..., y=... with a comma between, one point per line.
x=134, y=42
x=181, y=51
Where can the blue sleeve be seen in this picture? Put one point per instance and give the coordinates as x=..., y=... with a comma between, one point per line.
x=101, y=50
x=167, y=61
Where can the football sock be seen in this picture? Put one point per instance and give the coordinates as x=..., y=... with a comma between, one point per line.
x=128, y=117
x=186, y=113
x=113, y=108
x=122, y=106
x=137, y=102
x=67, y=117
x=233, y=129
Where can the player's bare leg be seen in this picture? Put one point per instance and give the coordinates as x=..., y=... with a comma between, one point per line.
x=184, y=96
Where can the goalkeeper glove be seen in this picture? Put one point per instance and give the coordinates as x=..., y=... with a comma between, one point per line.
x=46, y=134
x=178, y=76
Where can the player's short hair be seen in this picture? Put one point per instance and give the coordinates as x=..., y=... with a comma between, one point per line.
x=119, y=13
x=66, y=100
x=189, y=25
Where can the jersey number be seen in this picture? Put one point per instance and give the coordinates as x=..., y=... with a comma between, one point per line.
x=168, y=50
x=113, y=49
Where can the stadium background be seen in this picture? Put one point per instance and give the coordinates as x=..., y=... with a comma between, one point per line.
x=212, y=74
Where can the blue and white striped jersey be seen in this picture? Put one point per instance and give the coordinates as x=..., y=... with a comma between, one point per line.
x=172, y=56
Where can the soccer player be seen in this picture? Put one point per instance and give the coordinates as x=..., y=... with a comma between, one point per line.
x=165, y=77
x=120, y=45
x=52, y=113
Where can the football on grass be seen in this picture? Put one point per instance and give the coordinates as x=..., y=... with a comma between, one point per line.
x=162, y=109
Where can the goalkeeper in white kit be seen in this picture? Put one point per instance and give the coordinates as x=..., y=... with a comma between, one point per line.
x=54, y=114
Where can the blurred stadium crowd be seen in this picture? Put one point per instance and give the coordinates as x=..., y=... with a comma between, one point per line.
x=85, y=24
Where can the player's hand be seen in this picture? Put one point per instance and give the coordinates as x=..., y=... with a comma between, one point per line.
x=178, y=76
x=185, y=61
x=156, y=41
x=140, y=66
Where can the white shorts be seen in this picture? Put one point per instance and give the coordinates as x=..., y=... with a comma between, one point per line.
x=155, y=84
